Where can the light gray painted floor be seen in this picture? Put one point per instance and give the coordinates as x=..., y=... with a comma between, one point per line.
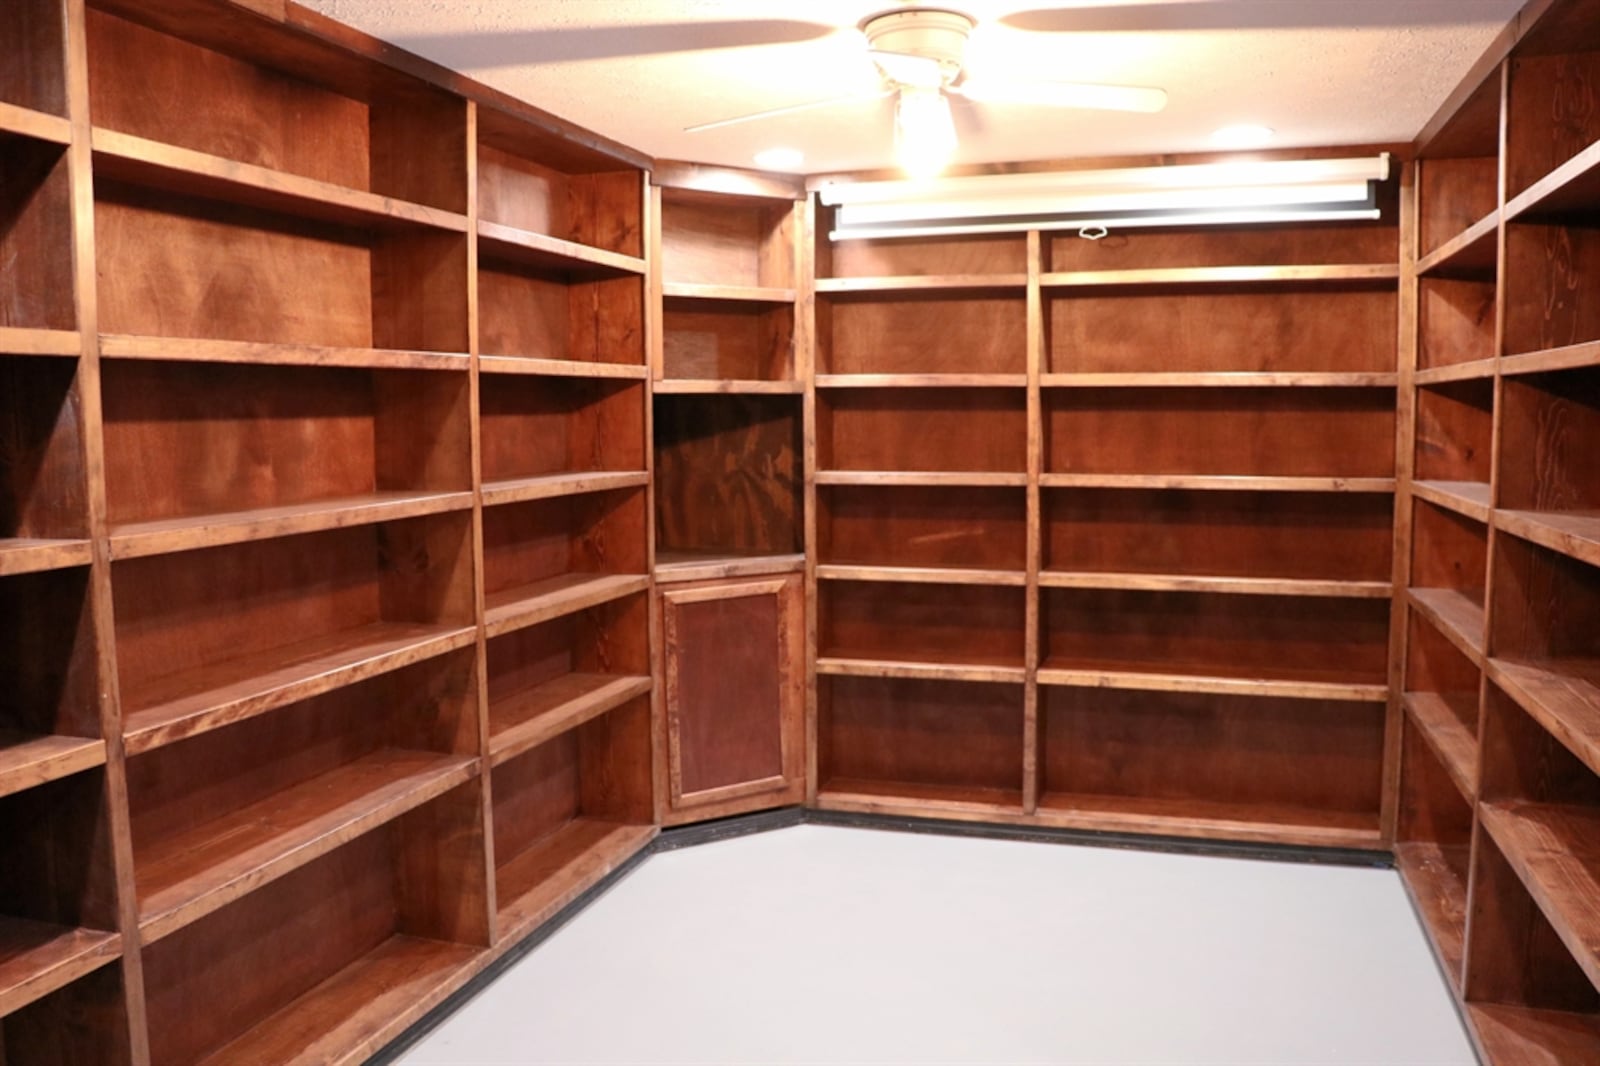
x=817, y=944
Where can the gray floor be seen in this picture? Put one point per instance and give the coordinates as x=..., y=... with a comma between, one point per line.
x=827, y=945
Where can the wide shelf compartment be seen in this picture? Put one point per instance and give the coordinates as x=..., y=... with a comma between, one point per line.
x=1321, y=328
x=956, y=431
x=569, y=811
x=1548, y=122
x=1265, y=432
x=33, y=76
x=936, y=745
x=1441, y=700
x=533, y=310
x=36, y=289
x=342, y=954
x=727, y=340
x=1185, y=764
x=535, y=427
x=1455, y=323
x=949, y=331
x=209, y=637
x=1549, y=482
x=727, y=240
x=942, y=625
x=729, y=475
x=199, y=455
x=1547, y=267
x=1322, y=244
x=548, y=678
x=1321, y=648
x=221, y=815
x=1252, y=536
x=922, y=527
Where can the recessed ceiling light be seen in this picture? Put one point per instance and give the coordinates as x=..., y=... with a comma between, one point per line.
x=780, y=159
x=1244, y=135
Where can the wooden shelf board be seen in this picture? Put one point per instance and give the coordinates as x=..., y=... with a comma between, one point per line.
x=183, y=705
x=523, y=720
x=1454, y=614
x=922, y=381
x=562, y=368
x=37, y=958
x=1248, y=586
x=190, y=874
x=1439, y=718
x=540, y=601
x=139, y=161
x=1470, y=499
x=1440, y=897
x=29, y=759
x=166, y=535
x=1221, y=379
x=925, y=478
x=26, y=122
x=1264, y=823
x=1212, y=679
x=1471, y=254
x=1556, y=852
x=1522, y=1036
x=1563, y=695
x=15, y=340
x=1571, y=357
x=1569, y=192
x=499, y=241
x=924, y=283
x=1572, y=533
x=726, y=387
x=1337, y=273
x=744, y=294
x=916, y=799
x=1475, y=370
x=534, y=885
x=925, y=575
x=546, y=486
x=354, y=1013
x=192, y=350
x=833, y=665
x=29, y=555
x=1217, y=482
x=682, y=566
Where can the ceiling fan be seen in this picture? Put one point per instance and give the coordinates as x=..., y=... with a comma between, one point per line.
x=920, y=54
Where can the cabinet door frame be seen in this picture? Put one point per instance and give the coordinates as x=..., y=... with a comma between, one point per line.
x=785, y=590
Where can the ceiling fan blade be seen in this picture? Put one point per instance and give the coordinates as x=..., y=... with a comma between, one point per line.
x=481, y=50
x=852, y=98
x=1064, y=94
x=1104, y=17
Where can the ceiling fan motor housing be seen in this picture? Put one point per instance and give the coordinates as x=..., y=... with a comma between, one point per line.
x=926, y=33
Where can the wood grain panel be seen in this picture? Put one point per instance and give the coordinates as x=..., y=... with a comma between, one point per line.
x=42, y=481
x=727, y=473
x=596, y=533
x=925, y=430
x=1553, y=112
x=87, y=1021
x=48, y=655
x=1280, y=245
x=1550, y=435
x=931, y=733
x=609, y=639
x=1003, y=253
x=1547, y=275
x=911, y=526
x=1448, y=551
x=930, y=333
x=1266, y=753
x=34, y=72
x=726, y=241
x=1276, y=329
x=1266, y=535
x=727, y=714
x=35, y=229
x=922, y=623
x=727, y=339
x=533, y=426
x=1547, y=606
x=1455, y=194
x=1456, y=322
x=550, y=314
x=1263, y=432
x=1219, y=635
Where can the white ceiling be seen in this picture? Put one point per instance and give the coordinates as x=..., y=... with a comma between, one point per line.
x=1342, y=72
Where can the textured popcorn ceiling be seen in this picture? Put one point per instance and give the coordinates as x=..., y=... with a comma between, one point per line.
x=1335, y=79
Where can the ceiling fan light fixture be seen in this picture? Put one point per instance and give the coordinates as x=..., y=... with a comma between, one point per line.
x=924, y=132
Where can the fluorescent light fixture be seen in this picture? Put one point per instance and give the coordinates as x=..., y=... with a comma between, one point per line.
x=780, y=159
x=924, y=132
x=1208, y=194
x=1244, y=135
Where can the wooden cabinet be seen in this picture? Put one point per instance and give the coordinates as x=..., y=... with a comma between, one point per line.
x=733, y=692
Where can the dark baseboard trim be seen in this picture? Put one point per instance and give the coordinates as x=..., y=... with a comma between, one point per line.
x=731, y=828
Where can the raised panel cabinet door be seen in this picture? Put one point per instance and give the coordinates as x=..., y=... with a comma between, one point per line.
x=732, y=695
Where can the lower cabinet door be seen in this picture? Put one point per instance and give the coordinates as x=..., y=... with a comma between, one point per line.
x=733, y=696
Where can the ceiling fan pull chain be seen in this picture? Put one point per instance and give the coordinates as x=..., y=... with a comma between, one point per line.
x=1094, y=233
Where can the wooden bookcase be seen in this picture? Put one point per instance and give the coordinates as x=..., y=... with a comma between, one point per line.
x=731, y=372
x=1501, y=771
